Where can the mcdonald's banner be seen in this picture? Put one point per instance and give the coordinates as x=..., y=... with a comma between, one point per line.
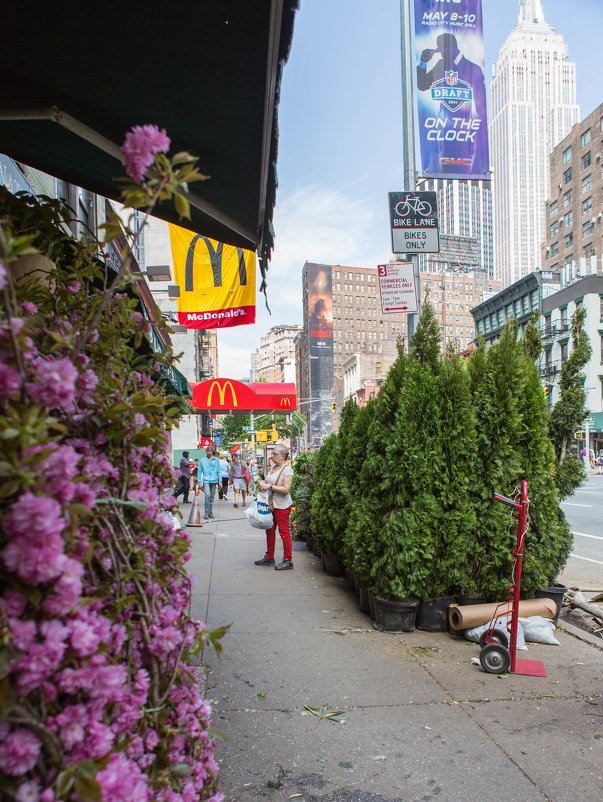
x=217, y=281
x=229, y=395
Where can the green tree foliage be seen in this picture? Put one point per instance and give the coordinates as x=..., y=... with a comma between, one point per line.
x=569, y=411
x=373, y=483
x=441, y=439
x=234, y=426
x=320, y=530
x=302, y=490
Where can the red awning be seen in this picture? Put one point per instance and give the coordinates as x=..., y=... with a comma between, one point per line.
x=220, y=396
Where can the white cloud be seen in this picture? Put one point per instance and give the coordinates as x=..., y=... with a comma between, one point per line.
x=313, y=223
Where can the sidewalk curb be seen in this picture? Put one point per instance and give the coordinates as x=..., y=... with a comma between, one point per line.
x=580, y=634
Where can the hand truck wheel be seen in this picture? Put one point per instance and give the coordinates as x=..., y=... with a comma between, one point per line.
x=496, y=636
x=495, y=658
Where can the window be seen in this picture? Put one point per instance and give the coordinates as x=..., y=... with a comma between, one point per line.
x=553, y=228
x=589, y=250
x=569, y=259
x=587, y=183
x=600, y=307
x=585, y=139
x=567, y=198
x=567, y=175
x=553, y=208
x=568, y=219
x=568, y=240
x=587, y=205
x=601, y=355
x=587, y=228
x=564, y=316
x=564, y=351
x=554, y=249
x=585, y=160
x=567, y=154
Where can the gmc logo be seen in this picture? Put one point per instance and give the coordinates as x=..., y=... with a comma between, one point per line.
x=459, y=162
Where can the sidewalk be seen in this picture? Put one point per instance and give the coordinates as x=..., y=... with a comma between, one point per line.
x=422, y=722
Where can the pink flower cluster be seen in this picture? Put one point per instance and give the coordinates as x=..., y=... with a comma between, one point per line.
x=96, y=605
x=139, y=148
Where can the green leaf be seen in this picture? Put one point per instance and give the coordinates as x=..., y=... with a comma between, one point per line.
x=183, y=207
x=259, y=697
x=87, y=788
x=345, y=764
x=322, y=760
x=181, y=770
x=216, y=734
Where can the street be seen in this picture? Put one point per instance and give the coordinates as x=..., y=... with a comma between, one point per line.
x=584, y=512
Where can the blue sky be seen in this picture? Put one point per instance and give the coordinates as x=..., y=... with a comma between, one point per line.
x=340, y=146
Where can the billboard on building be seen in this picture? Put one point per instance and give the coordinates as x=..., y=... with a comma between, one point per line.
x=451, y=89
x=320, y=339
x=217, y=281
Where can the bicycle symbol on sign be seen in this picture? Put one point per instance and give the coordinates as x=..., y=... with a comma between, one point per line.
x=413, y=203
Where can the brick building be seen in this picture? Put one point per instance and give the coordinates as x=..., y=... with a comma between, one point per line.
x=574, y=219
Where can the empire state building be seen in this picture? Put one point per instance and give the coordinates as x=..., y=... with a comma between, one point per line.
x=533, y=106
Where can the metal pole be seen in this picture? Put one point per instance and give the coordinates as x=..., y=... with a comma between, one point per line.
x=587, y=445
x=408, y=131
x=252, y=422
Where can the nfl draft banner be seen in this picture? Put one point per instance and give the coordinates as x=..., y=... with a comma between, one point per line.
x=217, y=281
x=451, y=90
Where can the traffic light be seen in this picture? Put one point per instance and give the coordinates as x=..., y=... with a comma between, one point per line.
x=545, y=390
x=578, y=435
x=333, y=407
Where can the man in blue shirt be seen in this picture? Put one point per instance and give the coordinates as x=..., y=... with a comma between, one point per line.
x=209, y=466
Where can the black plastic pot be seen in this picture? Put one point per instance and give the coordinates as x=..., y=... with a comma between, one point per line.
x=316, y=549
x=394, y=616
x=309, y=543
x=465, y=600
x=432, y=615
x=371, y=601
x=332, y=564
x=556, y=593
x=364, y=600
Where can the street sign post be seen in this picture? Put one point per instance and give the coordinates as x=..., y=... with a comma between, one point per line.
x=414, y=222
x=397, y=288
x=588, y=421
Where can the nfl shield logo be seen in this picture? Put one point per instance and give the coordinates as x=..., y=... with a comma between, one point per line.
x=452, y=78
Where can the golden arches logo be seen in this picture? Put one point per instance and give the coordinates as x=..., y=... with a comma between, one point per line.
x=222, y=393
x=285, y=402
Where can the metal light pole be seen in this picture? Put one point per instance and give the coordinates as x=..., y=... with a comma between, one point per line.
x=408, y=132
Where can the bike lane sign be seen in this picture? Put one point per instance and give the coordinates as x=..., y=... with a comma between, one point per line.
x=414, y=222
x=397, y=288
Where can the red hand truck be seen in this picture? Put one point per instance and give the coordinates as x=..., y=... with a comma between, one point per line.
x=499, y=648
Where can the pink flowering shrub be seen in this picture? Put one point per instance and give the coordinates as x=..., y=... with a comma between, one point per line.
x=100, y=699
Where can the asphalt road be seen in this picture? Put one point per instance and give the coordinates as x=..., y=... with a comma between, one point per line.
x=584, y=511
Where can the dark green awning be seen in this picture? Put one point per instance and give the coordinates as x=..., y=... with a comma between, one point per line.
x=75, y=78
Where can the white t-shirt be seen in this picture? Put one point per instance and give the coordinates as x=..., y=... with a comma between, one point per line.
x=280, y=500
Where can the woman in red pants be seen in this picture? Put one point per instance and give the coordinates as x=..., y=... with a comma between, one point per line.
x=278, y=483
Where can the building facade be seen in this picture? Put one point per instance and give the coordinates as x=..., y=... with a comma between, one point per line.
x=454, y=281
x=465, y=210
x=275, y=357
x=557, y=311
x=574, y=210
x=342, y=316
x=518, y=302
x=198, y=347
x=532, y=107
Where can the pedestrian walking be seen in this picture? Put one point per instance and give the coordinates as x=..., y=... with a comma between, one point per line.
x=237, y=479
x=278, y=484
x=212, y=477
x=184, y=479
x=600, y=462
x=225, y=470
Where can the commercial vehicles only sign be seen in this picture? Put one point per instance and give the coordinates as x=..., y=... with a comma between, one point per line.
x=414, y=222
x=397, y=288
